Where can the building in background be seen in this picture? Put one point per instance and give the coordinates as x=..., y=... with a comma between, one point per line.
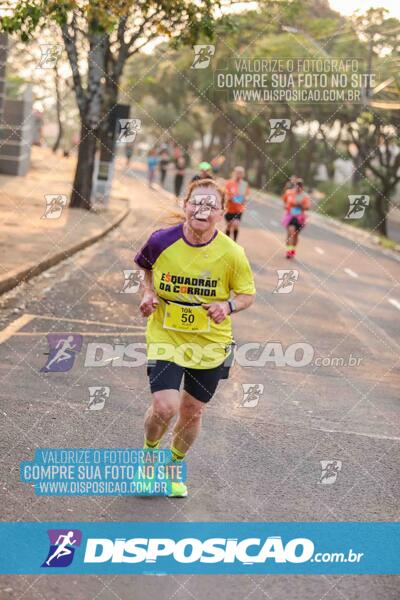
x=16, y=123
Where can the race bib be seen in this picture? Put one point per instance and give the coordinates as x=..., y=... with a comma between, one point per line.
x=295, y=210
x=191, y=319
x=239, y=199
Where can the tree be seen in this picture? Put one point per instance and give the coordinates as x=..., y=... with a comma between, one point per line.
x=52, y=90
x=99, y=37
x=376, y=146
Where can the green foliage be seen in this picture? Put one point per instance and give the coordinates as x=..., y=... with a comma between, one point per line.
x=102, y=16
x=173, y=100
x=15, y=86
x=336, y=203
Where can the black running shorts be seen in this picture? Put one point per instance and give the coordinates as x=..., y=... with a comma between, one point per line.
x=199, y=383
x=233, y=216
x=294, y=222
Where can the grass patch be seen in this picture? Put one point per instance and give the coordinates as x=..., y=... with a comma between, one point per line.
x=387, y=243
x=336, y=204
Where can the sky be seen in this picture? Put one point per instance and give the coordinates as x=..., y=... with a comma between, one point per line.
x=347, y=7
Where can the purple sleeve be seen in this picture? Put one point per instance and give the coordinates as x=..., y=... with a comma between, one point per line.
x=157, y=243
x=146, y=258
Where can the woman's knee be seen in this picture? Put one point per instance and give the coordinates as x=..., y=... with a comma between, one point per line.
x=191, y=409
x=164, y=408
x=291, y=232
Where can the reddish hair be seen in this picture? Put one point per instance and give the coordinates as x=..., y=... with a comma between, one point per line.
x=176, y=217
x=204, y=183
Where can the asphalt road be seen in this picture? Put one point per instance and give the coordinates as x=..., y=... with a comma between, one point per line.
x=255, y=463
x=138, y=170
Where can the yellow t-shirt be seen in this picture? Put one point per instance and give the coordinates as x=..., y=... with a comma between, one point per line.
x=186, y=276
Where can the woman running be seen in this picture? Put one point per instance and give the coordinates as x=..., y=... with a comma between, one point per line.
x=190, y=272
x=180, y=166
x=237, y=192
x=204, y=172
x=163, y=165
x=152, y=162
x=296, y=205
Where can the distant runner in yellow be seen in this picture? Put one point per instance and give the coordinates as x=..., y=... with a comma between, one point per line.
x=196, y=277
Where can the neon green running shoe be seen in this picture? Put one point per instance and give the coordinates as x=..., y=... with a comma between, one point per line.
x=147, y=447
x=178, y=490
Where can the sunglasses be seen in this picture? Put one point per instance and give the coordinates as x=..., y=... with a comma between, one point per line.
x=204, y=200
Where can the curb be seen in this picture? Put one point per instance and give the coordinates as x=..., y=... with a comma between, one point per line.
x=350, y=232
x=362, y=234
x=17, y=276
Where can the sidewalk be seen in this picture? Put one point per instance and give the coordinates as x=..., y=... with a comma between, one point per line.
x=29, y=244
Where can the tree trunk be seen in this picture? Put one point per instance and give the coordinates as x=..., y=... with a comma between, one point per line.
x=229, y=143
x=294, y=151
x=309, y=160
x=382, y=209
x=248, y=159
x=359, y=169
x=60, y=132
x=107, y=138
x=82, y=186
x=260, y=173
x=89, y=103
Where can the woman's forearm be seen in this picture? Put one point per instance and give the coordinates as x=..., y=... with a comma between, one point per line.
x=147, y=282
x=243, y=301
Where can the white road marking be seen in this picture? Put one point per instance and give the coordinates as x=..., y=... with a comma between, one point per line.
x=115, y=334
x=15, y=326
x=85, y=321
x=13, y=329
x=376, y=436
x=319, y=250
x=351, y=273
x=378, y=331
x=395, y=303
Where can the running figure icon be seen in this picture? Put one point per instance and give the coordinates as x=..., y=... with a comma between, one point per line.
x=278, y=130
x=62, y=549
x=63, y=544
x=329, y=471
x=63, y=348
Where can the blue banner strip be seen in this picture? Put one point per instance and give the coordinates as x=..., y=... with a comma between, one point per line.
x=199, y=548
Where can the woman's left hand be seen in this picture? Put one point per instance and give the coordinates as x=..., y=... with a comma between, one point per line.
x=217, y=311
